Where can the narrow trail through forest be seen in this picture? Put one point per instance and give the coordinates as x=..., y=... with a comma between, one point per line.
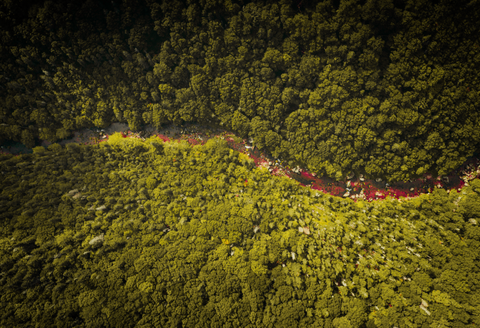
x=354, y=187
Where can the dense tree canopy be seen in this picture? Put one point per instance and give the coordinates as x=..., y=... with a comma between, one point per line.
x=153, y=234
x=384, y=88
x=131, y=233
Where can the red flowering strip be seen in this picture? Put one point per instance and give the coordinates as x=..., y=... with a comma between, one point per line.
x=316, y=187
x=164, y=138
x=327, y=185
x=193, y=141
x=307, y=175
x=337, y=191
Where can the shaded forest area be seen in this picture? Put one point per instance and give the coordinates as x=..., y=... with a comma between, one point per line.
x=382, y=88
x=109, y=236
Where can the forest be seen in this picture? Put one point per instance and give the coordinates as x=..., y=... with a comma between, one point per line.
x=147, y=233
x=109, y=236
x=384, y=88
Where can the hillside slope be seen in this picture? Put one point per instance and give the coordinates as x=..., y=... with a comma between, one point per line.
x=131, y=233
